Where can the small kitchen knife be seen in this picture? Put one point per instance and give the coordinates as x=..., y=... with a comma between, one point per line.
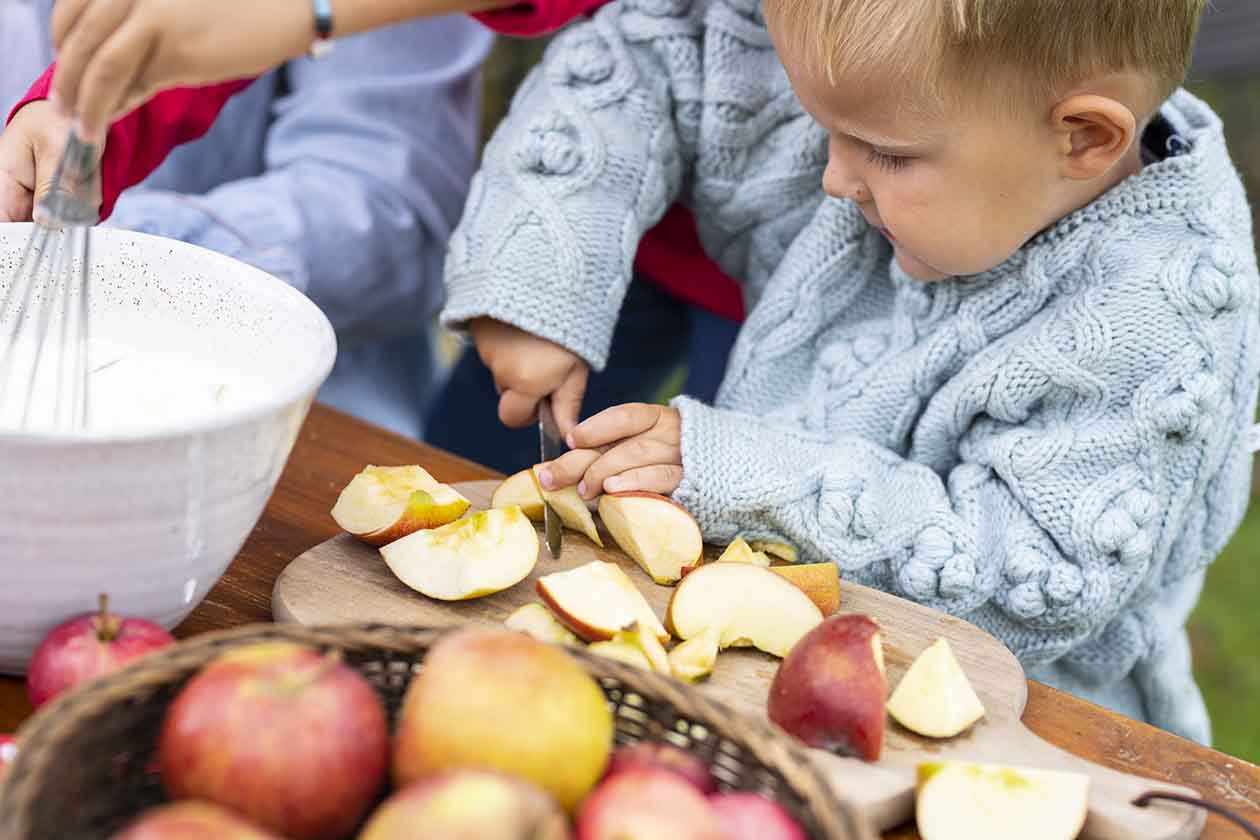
x=550, y=448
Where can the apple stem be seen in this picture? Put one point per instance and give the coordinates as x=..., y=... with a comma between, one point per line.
x=108, y=622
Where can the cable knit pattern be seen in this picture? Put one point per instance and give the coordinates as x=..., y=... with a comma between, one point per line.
x=1053, y=449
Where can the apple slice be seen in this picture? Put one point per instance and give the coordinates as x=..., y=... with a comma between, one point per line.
x=694, y=659
x=520, y=491
x=829, y=692
x=782, y=551
x=622, y=651
x=820, y=581
x=934, y=698
x=383, y=504
x=740, y=552
x=537, y=621
x=569, y=506
x=992, y=802
x=657, y=532
x=483, y=554
x=597, y=600
x=750, y=605
x=636, y=646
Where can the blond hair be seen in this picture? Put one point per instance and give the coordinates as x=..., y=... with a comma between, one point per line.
x=1048, y=44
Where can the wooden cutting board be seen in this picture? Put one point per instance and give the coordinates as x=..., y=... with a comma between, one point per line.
x=345, y=581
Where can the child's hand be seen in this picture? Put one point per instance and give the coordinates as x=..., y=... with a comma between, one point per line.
x=527, y=368
x=626, y=447
x=30, y=148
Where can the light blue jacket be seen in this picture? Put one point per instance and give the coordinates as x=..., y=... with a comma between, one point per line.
x=343, y=176
x=1054, y=449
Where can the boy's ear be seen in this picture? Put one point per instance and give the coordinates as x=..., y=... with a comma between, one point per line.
x=1094, y=133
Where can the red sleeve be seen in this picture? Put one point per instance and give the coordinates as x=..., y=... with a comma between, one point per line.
x=139, y=142
x=537, y=17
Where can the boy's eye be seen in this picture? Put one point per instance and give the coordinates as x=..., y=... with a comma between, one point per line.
x=890, y=163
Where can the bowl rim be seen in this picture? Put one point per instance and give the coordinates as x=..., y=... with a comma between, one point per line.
x=306, y=385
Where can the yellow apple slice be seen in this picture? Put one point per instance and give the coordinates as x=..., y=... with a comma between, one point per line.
x=537, y=621
x=636, y=645
x=622, y=651
x=740, y=552
x=597, y=600
x=783, y=551
x=569, y=506
x=992, y=802
x=694, y=659
x=820, y=581
x=657, y=532
x=483, y=554
x=383, y=504
x=934, y=698
x=749, y=605
x=520, y=491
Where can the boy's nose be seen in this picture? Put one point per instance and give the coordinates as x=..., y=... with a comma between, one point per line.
x=841, y=181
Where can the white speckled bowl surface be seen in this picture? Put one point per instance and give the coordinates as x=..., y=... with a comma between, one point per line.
x=155, y=517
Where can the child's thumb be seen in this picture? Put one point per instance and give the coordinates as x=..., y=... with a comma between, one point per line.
x=79, y=182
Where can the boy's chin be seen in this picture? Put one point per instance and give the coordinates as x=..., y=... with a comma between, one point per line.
x=917, y=269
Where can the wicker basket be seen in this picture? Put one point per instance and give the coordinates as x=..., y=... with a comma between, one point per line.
x=85, y=766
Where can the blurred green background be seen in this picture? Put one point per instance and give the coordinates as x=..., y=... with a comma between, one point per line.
x=1225, y=629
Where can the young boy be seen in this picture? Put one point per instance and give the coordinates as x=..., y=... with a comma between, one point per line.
x=1004, y=369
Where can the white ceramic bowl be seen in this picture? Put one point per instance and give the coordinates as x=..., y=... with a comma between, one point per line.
x=154, y=515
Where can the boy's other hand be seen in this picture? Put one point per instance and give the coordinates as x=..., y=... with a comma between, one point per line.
x=527, y=368
x=30, y=149
x=624, y=448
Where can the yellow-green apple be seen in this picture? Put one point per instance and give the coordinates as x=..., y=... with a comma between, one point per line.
x=660, y=755
x=294, y=740
x=191, y=820
x=992, y=802
x=829, y=692
x=647, y=804
x=820, y=581
x=570, y=507
x=934, y=697
x=383, y=504
x=87, y=647
x=657, y=532
x=750, y=816
x=495, y=699
x=8, y=752
x=485, y=553
x=468, y=804
x=739, y=551
x=537, y=621
x=597, y=600
x=750, y=605
x=694, y=659
x=782, y=551
x=635, y=645
x=519, y=490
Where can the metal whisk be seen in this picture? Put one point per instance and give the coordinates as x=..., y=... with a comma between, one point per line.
x=42, y=387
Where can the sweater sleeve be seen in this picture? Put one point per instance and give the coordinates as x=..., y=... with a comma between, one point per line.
x=589, y=158
x=139, y=142
x=537, y=17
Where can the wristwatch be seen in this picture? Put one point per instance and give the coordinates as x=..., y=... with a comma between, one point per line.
x=323, y=43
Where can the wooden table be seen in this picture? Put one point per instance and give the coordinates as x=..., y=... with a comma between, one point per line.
x=333, y=447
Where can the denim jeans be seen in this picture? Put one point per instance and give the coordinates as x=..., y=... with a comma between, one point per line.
x=654, y=336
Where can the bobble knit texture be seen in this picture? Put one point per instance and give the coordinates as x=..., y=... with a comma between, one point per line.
x=1054, y=449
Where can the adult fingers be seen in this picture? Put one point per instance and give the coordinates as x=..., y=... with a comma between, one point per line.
x=94, y=24
x=108, y=84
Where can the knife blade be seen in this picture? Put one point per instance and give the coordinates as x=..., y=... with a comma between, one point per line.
x=550, y=448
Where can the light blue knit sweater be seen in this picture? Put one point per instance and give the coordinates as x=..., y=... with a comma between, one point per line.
x=1053, y=449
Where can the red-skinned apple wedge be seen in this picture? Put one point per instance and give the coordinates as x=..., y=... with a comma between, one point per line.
x=485, y=553
x=571, y=509
x=829, y=691
x=647, y=804
x=820, y=581
x=750, y=605
x=598, y=600
x=993, y=802
x=934, y=697
x=519, y=490
x=383, y=504
x=658, y=533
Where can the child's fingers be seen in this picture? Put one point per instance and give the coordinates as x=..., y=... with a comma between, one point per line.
x=517, y=409
x=628, y=455
x=614, y=424
x=658, y=478
x=566, y=401
x=567, y=470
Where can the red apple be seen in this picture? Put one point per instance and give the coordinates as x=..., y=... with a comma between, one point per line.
x=8, y=752
x=659, y=755
x=190, y=820
x=88, y=647
x=294, y=740
x=751, y=816
x=830, y=690
x=647, y=804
